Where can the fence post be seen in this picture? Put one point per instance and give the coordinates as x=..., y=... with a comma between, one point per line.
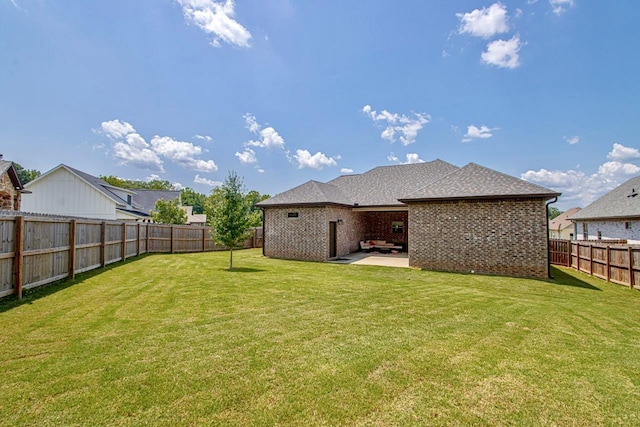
x=72, y=249
x=138, y=240
x=591, y=260
x=569, y=253
x=608, y=264
x=18, y=262
x=630, y=252
x=204, y=241
x=103, y=244
x=146, y=238
x=172, y=237
x=124, y=241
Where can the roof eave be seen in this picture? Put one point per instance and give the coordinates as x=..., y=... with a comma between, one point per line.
x=546, y=196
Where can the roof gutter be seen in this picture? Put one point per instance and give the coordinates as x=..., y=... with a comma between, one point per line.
x=555, y=199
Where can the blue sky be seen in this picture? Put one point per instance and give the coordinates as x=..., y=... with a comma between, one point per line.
x=285, y=91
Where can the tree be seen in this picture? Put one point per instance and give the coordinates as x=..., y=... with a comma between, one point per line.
x=192, y=198
x=554, y=212
x=255, y=213
x=154, y=184
x=229, y=214
x=169, y=212
x=26, y=175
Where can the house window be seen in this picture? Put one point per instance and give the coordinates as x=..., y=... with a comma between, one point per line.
x=599, y=235
x=570, y=236
x=292, y=214
x=627, y=225
x=128, y=199
x=397, y=227
x=585, y=231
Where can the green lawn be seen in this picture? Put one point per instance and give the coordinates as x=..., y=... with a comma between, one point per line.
x=178, y=340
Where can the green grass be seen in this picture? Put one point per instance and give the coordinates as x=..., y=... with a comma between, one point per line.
x=179, y=340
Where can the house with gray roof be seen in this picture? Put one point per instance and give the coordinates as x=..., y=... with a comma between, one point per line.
x=11, y=187
x=447, y=218
x=561, y=227
x=67, y=191
x=616, y=215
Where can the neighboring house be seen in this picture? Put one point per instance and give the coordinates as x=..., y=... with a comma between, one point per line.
x=616, y=215
x=469, y=219
x=69, y=192
x=561, y=227
x=194, y=219
x=11, y=188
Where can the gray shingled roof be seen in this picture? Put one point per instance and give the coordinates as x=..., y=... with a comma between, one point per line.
x=146, y=199
x=618, y=203
x=474, y=181
x=7, y=166
x=309, y=193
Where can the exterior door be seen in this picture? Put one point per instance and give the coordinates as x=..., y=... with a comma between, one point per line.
x=333, y=237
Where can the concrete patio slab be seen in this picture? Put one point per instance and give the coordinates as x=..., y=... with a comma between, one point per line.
x=385, y=260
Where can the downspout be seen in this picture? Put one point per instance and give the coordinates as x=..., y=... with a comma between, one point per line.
x=555, y=199
x=263, y=235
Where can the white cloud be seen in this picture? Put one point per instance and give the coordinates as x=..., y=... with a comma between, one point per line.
x=178, y=186
x=269, y=137
x=346, y=170
x=260, y=170
x=247, y=156
x=182, y=153
x=143, y=158
x=482, y=132
x=116, y=129
x=153, y=177
x=411, y=158
x=560, y=6
x=621, y=153
x=317, y=161
x=132, y=149
x=407, y=127
x=580, y=189
x=199, y=180
x=485, y=22
x=572, y=140
x=216, y=19
x=503, y=53
x=203, y=138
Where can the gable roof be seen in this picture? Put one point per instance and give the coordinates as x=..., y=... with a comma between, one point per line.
x=390, y=186
x=142, y=201
x=309, y=193
x=618, y=203
x=562, y=221
x=8, y=168
x=146, y=200
x=478, y=182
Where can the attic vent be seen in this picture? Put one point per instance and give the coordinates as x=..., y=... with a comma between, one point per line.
x=634, y=193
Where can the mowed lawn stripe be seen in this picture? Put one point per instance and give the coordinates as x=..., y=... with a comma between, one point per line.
x=178, y=339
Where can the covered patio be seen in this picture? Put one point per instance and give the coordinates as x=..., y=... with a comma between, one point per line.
x=384, y=260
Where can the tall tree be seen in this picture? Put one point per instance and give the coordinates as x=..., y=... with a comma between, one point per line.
x=554, y=212
x=229, y=214
x=154, y=184
x=169, y=212
x=192, y=198
x=255, y=213
x=26, y=175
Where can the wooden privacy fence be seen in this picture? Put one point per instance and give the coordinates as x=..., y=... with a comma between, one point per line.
x=35, y=250
x=613, y=261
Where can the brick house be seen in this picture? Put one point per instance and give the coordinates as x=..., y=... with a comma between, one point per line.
x=11, y=188
x=447, y=218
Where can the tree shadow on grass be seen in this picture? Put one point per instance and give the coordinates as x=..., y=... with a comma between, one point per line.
x=562, y=278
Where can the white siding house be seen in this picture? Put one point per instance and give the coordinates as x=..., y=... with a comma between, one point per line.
x=69, y=192
x=616, y=215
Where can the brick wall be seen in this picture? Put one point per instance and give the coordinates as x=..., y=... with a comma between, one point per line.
x=307, y=236
x=378, y=226
x=9, y=197
x=504, y=237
